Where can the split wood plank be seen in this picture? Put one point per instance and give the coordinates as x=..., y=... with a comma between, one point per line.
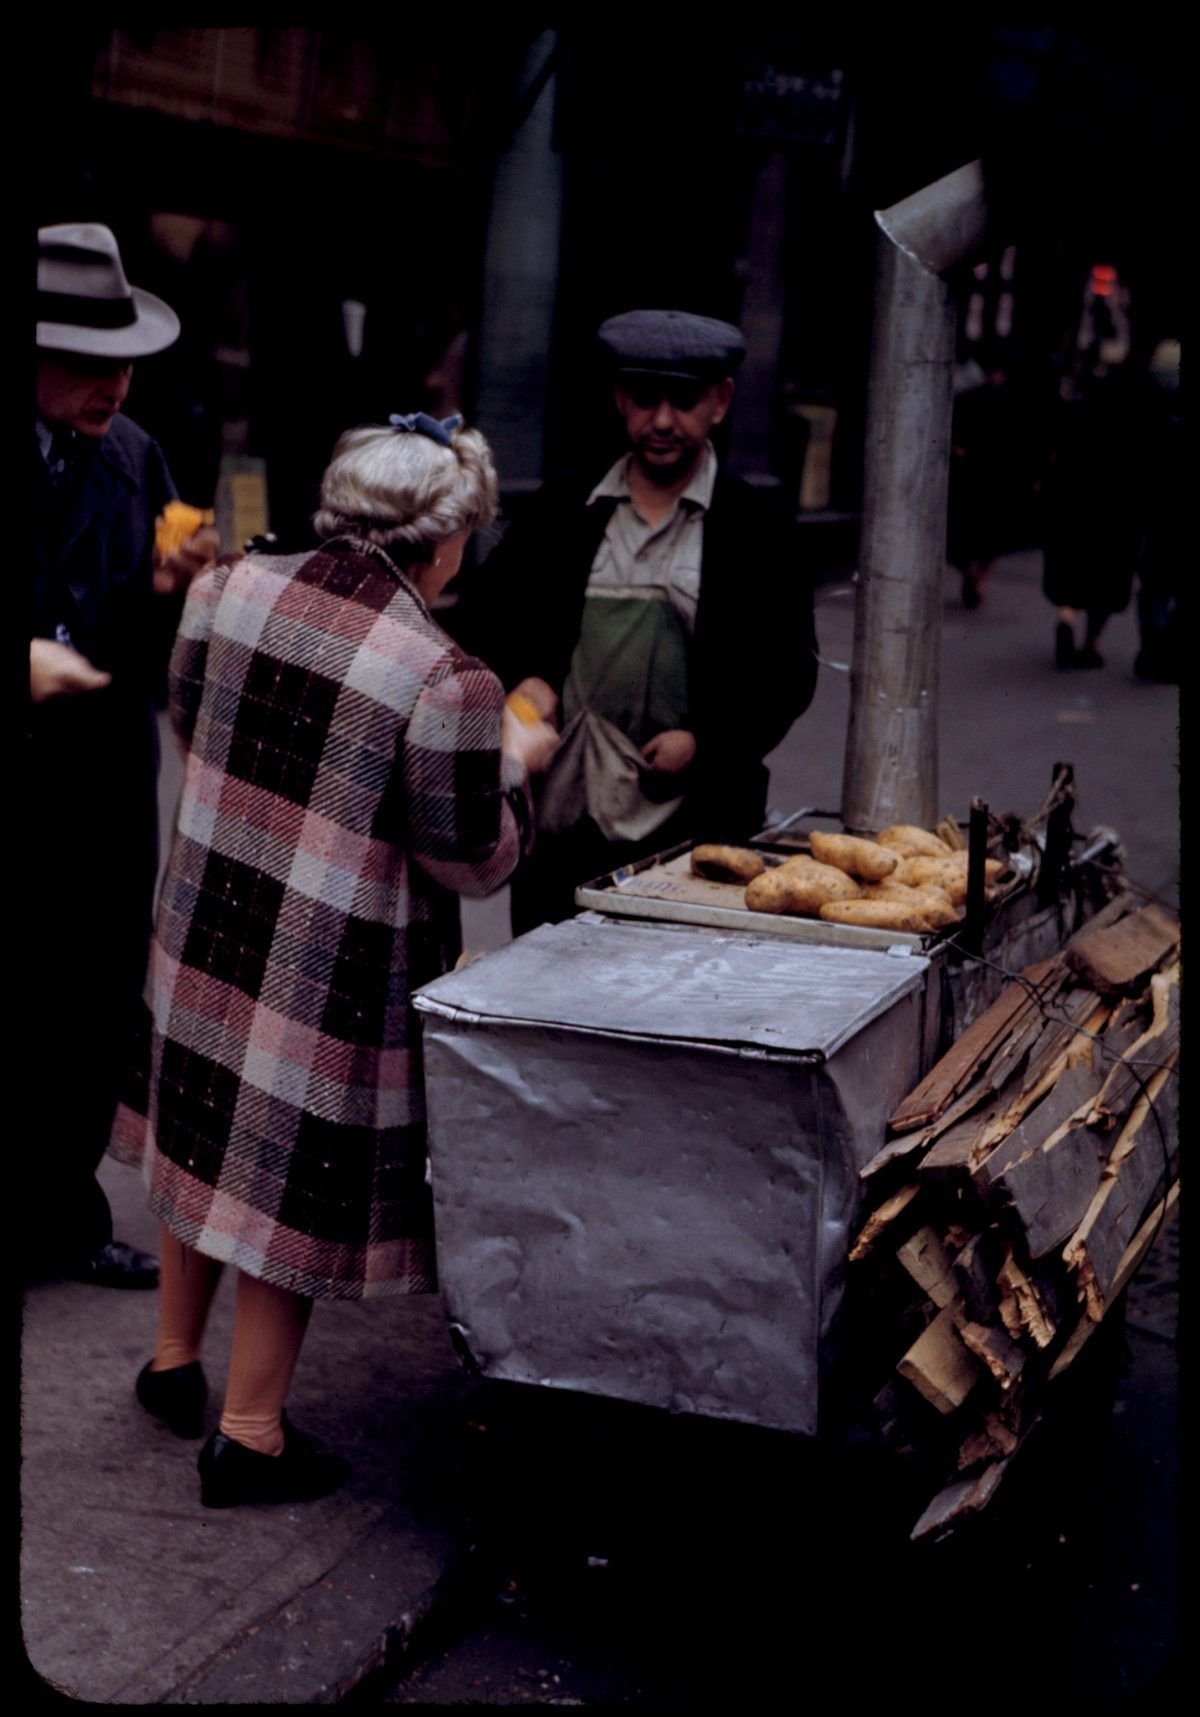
x=939, y=1367
x=1023, y=1304
x=970, y=1052
x=1145, y=1157
x=1051, y=1186
x=1157, y=1044
x=1119, y=955
x=1003, y=1358
x=993, y=1440
x=975, y=1269
x=1131, y=1262
x=959, y=1499
x=928, y=1263
x=881, y=1218
x=1072, y=1094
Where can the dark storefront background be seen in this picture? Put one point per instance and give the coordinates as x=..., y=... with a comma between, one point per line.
x=488, y=192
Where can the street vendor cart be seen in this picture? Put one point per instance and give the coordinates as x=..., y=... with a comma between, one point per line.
x=664, y=1134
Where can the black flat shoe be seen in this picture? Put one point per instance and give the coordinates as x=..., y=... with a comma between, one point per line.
x=176, y=1397
x=116, y=1265
x=230, y=1473
x=1064, y=645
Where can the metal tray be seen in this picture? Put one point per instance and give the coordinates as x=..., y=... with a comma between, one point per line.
x=662, y=888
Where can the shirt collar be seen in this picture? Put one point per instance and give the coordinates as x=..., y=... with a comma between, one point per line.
x=45, y=437
x=614, y=485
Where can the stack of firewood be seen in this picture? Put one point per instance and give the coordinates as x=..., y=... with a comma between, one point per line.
x=1021, y=1184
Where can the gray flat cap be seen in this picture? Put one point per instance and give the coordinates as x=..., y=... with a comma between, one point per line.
x=672, y=343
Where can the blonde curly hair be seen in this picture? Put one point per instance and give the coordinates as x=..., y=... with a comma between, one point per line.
x=404, y=491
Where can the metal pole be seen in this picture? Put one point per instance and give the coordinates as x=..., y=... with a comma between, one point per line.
x=890, y=772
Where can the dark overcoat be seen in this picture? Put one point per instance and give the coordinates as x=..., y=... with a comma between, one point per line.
x=89, y=829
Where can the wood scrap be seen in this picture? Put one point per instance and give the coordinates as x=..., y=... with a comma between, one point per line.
x=939, y=1366
x=1029, y=1177
x=1002, y=1356
x=965, y=1058
x=991, y=1441
x=1157, y=1044
x=1135, y=1252
x=963, y=1497
x=1023, y=1307
x=881, y=1219
x=975, y=1268
x=1115, y=956
x=996, y=1174
x=1095, y=1250
x=929, y=1264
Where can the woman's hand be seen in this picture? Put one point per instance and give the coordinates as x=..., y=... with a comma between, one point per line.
x=541, y=695
x=175, y=571
x=670, y=752
x=532, y=744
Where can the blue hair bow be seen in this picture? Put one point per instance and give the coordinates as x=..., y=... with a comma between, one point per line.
x=420, y=423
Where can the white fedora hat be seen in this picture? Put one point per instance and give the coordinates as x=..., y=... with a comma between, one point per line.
x=86, y=305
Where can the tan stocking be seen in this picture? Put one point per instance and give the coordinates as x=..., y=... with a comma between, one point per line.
x=187, y=1281
x=268, y=1331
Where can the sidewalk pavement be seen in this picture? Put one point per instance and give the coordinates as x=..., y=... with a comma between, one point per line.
x=133, y=1593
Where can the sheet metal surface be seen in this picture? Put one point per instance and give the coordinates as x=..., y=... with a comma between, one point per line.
x=642, y=1213
x=699, y=987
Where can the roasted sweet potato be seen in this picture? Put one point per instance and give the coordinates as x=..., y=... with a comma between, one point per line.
x=911, y=842
x=727, y=864
x=801, y=888
x=878, y=915
x=854, y=854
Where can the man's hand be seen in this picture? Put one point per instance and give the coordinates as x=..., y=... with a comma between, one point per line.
x=175, y=571
x=532, y=744
x=670, y=753
x=57, y=671
x=542, y=696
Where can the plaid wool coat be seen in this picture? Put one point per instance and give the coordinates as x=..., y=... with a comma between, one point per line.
x=343, y=786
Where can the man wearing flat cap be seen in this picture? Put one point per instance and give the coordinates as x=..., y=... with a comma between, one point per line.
x=99, y=485
x=662, y=617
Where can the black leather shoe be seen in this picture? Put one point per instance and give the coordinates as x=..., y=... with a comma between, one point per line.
x=230, y=1473
x=176, y=1396
x=116, y=1265
x=1064, y=645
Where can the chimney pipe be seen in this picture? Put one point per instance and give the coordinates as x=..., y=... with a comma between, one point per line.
x=890, y=771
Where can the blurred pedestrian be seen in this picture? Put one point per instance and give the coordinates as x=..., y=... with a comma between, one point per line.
x=91, y=825
x=991, y=475
x=350, y=773
x=1163, y=552
x=1093, y=510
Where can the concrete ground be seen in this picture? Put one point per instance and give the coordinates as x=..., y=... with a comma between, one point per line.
x=132, y=1593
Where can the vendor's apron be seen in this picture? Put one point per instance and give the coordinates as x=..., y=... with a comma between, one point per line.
x=627, y=682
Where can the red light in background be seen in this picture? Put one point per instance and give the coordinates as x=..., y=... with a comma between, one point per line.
x=1103, y=280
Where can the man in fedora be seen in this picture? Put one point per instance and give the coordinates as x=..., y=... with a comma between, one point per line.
x=99, y=485
x=662, y=615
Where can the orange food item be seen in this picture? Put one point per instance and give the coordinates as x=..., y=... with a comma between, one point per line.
x=523, y=708
x=177, y=523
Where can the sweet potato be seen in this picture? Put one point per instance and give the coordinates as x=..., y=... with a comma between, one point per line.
x=727, y=864
x=911, y=842
x=799, y=888
x=949, y=873
x=858, y=857
x=878, y=915
x=934, y=902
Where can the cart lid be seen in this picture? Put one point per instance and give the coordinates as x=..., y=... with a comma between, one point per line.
x=688, y=985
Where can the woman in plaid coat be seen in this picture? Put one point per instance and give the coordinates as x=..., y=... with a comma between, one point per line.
x=350, y=772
